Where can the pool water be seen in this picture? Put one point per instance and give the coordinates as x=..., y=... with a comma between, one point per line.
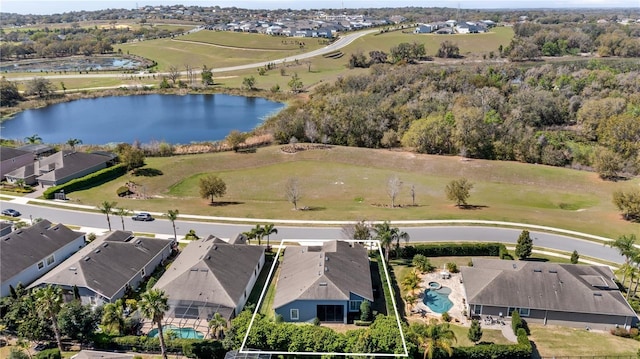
x=184, y=333
x=438, y=300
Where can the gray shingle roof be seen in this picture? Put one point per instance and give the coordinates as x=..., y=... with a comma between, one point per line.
x=546, y=286
x=331, y=271
x=106, y=264
x=67, y=163
x=9, y=152
x=27, y=246
x=211, y=271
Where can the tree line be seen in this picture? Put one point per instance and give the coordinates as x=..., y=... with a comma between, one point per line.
x=560, y=115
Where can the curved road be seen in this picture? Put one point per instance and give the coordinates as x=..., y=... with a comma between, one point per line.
x=336, y=45
x=421, y=234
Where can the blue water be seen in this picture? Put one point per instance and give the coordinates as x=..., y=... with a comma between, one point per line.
x=184, y=333
x=438, y=300
x=144, y=118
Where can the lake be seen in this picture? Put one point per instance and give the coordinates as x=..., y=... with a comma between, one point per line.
x=144, y=118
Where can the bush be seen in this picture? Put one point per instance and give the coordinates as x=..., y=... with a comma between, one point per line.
x=422, y=263
x=98, y=177
x=522, y=336
x=446, y=317
x=622, y=332
x=123, y=191
x=49, y=354
x=452, y=267
x=362, y=323
x=516, y=322
x=494, y=351
x=365, y=311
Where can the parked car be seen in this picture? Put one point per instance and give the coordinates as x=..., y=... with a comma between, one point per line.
x=142, y=217
x=10, y=212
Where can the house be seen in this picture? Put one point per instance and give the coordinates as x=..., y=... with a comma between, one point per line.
x=61, y=167
x=5, y=227
x=12, y=159
x=328, y=282
x=211, y=276
x=40, y=150
x=109, y=266
x=547, y=293
x=28, y=253
x=424, y=29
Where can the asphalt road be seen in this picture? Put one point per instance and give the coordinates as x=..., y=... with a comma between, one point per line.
x=336, y=45
x=421, y=234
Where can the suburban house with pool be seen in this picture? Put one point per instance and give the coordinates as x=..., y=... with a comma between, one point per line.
x=327, y=281
x=547, y=293
x=28, y=253
x=210, y=276
x=107, y=267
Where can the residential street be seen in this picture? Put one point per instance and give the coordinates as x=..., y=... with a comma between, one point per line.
x=446, y=231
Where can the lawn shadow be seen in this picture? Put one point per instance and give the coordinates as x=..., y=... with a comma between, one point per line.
x=224, y=203
x=147, y=172
x=312, y=208
x=472, y=207
x=535, y=259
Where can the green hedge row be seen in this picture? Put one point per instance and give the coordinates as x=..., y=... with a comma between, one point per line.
x=453, y=249
x=385, y=285
x=191, y=348
x=95, y=178
x=494, y=351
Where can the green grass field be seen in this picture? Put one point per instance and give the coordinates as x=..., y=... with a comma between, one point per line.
x=350, y=183
x=561, y=341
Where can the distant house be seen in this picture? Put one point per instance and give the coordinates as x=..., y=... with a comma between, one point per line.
x=5, y=227
x=107, y=267
x=211, y=276
x=327, y=282
x=61, y=167
x=28, y=253
x=38, y=149
x=547, y=293
x=424, y=29
x=12, y=159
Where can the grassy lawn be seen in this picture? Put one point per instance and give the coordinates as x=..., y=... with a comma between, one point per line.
x=253, y=41
x=488, y=335
x=261, y=281
x=561, y=341
x=350, y=183
x=267, y=303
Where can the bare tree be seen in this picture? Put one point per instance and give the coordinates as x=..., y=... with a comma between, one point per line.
x=311, y=131
x=394, y=185
x=174, y=74
x=292, y=191
x=190, y=74
x=413, y=195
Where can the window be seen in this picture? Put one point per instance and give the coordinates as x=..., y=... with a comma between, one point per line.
x=294, y=314
x=524, y=312
x=143, y=273
x=477, y=309
x=50, y=260
x=354, y=305
x=40, y=265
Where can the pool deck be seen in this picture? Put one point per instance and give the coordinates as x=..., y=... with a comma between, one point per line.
x=199, y=325
x=456, y=297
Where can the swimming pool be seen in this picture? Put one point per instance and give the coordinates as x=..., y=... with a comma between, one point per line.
x=184, y=333
x=438, y=300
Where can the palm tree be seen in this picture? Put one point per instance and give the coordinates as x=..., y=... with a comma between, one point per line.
x=625, y=245
x=383, y=234
x=113, y=318
x=258, y=233
x=397, y=235
x=48, y=303
x=411, y=281
x=411, y=300
x=434, y=338
x=172, y=215
x=122, y=212
x=153, y=306
x=106, y=207
x=20, y=183
x=268, y=230
x=73, y=142
x=250, y=235
x=33, y=139
x=216, y=324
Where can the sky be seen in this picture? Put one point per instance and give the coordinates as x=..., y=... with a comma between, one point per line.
x=43, y=7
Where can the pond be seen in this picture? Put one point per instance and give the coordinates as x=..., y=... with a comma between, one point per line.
x=145, y=118
x=73, y=63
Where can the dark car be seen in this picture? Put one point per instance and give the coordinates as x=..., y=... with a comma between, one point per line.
x=142, y=217
x=10, y=212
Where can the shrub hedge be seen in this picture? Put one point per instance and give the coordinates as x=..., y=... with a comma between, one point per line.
x=453, y=250
x=384, y=284
x=49, y=354
x=98, y=177
x=494, y=351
